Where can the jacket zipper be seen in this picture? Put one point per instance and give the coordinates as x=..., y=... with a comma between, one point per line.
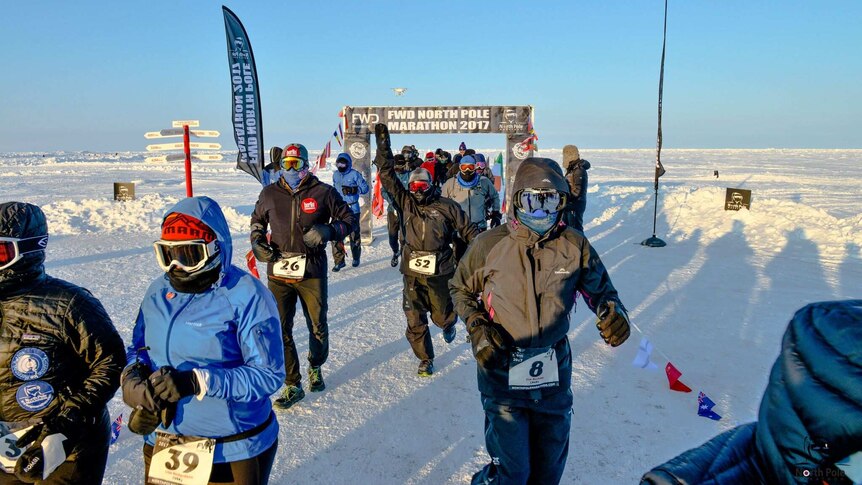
x=170, y=327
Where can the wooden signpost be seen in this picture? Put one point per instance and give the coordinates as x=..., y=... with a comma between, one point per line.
x=182, y=128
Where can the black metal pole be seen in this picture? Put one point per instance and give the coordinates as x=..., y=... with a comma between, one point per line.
x=653, y=241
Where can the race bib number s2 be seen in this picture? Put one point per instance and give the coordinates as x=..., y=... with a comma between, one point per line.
x=533, y=369
x=292, y=267
x=423, y=263
x=181, y=460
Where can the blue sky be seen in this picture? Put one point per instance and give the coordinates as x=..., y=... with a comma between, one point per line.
x=89, y=75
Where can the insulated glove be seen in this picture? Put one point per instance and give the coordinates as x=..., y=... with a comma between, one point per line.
x=489, y=346
x=613, y=323
x=384, y=143
x=137, y=390
x=263, y=251
x=495, y=218
x=350, y=190
x=318, y=235
x=171, y=385
x=55, y=433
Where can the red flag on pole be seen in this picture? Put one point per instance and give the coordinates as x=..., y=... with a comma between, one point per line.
x=252, y=264
x=377, y=199
x=673, y=376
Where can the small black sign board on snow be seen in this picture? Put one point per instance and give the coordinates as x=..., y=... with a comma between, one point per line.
x=736, y=199
x=124, y=191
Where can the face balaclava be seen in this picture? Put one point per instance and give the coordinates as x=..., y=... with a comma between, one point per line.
x=293, y=176
x=539, y=221
x=467, y=177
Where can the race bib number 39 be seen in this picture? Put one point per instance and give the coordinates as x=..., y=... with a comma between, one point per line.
x=533, y=369
x=292, y=267
x=425, y=264
x=181, y=460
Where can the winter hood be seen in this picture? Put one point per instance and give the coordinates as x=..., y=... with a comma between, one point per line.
x=346, y=157
x=22, y=220
x=208, y=211
x=538, y=173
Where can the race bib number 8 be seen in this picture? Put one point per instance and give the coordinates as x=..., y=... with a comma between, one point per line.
x=9, y=453
x=291, y=266
x=181, y=460
x=423, y=263
x=533, y=369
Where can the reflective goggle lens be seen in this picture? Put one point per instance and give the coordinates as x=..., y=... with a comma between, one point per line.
x=468, y=167
x=187, y=255
x=547, y=200
x=12, y=249
x=7, y=252
x=292, y=163
x=419, y=186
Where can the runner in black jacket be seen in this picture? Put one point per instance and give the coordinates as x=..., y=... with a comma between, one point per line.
x=430, y=224
x=61, y=360
x=304, y=214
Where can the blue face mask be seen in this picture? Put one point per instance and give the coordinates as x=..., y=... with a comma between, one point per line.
x=293, y=177
x=539, y=221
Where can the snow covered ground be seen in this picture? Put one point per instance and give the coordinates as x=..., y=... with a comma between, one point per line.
x=715, y=302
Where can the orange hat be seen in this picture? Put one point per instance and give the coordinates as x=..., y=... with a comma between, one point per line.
x=183, y=227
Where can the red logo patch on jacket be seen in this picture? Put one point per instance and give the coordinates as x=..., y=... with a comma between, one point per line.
x=309, y=206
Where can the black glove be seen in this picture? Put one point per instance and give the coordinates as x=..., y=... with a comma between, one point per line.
x=171, y=385
x=348, y=190
x=489, y=345
x=495, y=218
x=31, y=464
x=384, y=143
x=613, y=323
x=137, y=390
x=318, y=235
x=263, y=251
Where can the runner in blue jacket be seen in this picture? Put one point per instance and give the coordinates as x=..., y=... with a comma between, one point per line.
x=350, y=184
x=206, y=349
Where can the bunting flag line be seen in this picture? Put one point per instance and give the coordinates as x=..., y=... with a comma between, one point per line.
x=335, y=134
x=528, y=144
x=673, y=376
x=642, y=360
x=116, y=426
x=377, y=199
x=340, y=133
x=704, y=407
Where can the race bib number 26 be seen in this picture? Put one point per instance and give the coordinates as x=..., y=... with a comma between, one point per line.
x=181, y=460
x=292, y=267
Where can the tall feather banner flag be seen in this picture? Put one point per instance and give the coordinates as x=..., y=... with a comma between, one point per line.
x=246, y=117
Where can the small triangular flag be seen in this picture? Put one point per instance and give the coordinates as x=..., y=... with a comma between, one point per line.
x=704, y=407
x=116, y=427
x=673, y=379
x=642, y=360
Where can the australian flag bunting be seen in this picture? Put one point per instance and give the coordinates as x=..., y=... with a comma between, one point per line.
x=116, y=426
x=704, y=407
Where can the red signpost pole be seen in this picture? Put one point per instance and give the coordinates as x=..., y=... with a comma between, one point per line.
x=188, y=153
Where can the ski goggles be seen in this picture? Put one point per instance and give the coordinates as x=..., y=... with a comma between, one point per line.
x=13, y=249
x=189, y=256
x=548, y=200
x=467, y=167
x=419, y=186
x=294, y=163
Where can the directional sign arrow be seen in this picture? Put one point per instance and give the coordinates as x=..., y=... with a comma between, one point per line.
x=204, y=133
x=208, y=157
x=205, y=146
x=181, y=123
x=165, y=146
